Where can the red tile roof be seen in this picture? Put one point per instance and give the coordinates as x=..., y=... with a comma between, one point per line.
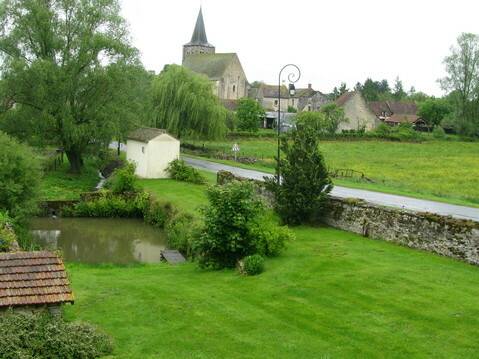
x=341, y=100
x=33, y=278
x=402, y=118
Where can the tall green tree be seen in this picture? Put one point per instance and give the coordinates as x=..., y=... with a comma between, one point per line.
x=63, y=66
x=462, y=80
x=185, y=105
x=249, y=114
x=398, y=92
x=433, y=111
x=305, y=183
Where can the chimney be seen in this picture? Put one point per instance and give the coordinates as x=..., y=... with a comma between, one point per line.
x=310, y=86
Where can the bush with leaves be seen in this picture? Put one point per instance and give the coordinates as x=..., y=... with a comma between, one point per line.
x=226, y=236
x=305, y=182
x=181, y=230
x=270, y=239
x=19, y=178
x=180, y=171
x=249, y=114
x=123, y=180
x=7, y=235
x=438, y=133
x=42, y=336
x=252, y=265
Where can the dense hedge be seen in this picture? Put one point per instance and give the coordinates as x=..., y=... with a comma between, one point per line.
x=42, y=336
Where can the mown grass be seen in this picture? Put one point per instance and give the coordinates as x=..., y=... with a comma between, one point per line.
x=60, y=184
x=331, y=294
x=437, y=170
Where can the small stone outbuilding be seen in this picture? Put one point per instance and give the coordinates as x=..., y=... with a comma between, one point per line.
x=32, y=281
x=151, y=150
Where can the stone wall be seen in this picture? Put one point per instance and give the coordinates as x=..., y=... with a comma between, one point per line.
x=443, y=235
x=358, y=114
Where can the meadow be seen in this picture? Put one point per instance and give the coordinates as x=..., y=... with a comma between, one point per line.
x=330, y=294
x=439, y=170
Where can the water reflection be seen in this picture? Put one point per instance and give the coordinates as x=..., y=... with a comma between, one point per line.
x=93, y=240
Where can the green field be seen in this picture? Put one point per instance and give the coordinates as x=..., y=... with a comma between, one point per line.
x=438, y=170
x=331, y=294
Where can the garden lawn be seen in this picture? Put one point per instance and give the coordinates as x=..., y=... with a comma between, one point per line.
x=437, y=170
x=331, y=294
x=59, y=184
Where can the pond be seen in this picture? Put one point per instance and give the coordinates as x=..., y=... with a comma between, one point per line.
x=95, y=240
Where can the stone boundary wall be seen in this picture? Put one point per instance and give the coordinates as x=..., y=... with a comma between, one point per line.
x=447, y=236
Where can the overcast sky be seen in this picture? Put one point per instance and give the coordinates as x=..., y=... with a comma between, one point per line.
x=331, y=41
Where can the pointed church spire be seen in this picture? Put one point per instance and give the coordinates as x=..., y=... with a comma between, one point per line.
x=199, y=34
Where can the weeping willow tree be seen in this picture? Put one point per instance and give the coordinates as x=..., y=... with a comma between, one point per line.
x=186, y=106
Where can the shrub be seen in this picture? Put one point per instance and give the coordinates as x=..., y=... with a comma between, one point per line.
x=180, y=171
x=7, y=235
x=383, y=130
x=405, y=131
x=249, y=114
x=181, y=230
x=158, y=212
x=438, y=133
x=226, y=236
x=270, y=239
x=109, y=204
x=305, y=183
x=40, y=335
x=253, y=265
x=123, y=180
x=19, y=178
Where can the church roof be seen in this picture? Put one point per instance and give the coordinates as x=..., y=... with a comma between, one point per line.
x=211, y=65
x=199, y=33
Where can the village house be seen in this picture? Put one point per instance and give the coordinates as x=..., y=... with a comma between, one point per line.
x=33, y=281
x=357, y=112
x=224, y=70
x=151, y=150
x=304, y=99
x=395, y=113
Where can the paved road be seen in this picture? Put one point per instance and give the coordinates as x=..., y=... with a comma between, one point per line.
x=384, y=199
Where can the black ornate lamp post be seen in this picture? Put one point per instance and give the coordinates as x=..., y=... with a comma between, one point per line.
x=293, y=77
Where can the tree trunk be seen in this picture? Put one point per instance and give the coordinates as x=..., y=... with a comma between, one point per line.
x=75, y=159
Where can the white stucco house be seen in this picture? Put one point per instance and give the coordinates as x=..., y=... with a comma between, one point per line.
x=151, y=150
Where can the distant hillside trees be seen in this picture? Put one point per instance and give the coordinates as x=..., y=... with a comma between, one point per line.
x=69, y=69
x=185, y=105
x=462, y=80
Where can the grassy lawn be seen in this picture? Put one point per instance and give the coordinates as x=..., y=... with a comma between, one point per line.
x=62, y=185
x=331, y=294
x=437, y=170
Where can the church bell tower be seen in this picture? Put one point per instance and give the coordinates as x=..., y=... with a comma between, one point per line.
x=199, y=42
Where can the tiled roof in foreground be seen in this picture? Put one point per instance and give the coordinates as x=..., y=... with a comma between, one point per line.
x=33, y=278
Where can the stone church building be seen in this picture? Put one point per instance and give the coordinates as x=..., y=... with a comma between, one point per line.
x=224, y=70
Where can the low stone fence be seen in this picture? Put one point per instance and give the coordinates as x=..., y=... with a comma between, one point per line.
x=443, y=235
x=55, y=208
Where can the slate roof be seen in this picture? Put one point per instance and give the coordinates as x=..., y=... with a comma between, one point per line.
x=145, y=134
x=33, y=278
x=271, y=91
x=345, y=97
x=378, y=107
x=211, y=65
x=199, y=33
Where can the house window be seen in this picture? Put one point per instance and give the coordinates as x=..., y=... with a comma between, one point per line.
x=309, y=107
x=234, y=88
x=276, y=102
x=142, y=149
x=292, y=101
